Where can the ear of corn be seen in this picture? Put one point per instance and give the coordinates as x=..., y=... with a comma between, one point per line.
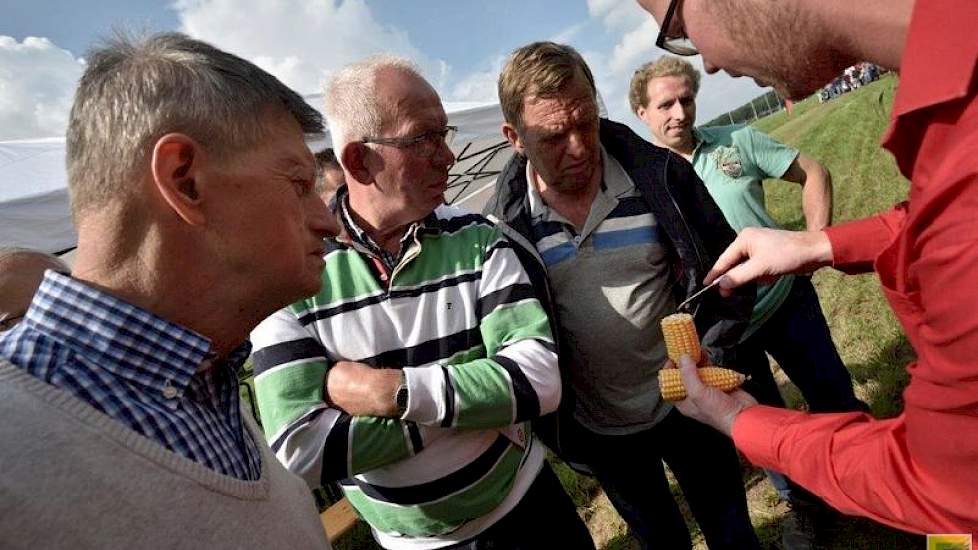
x=681, y=337
x=671, y=383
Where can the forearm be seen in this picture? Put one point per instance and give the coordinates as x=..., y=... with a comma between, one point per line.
x=361, y=390
x=859, y=465
x=517, y=384
x=816, y=194
x=816, y=201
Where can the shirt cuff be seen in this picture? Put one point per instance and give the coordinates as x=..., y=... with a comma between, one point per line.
x=756, y=431
x=426, y=394
x=856, y=244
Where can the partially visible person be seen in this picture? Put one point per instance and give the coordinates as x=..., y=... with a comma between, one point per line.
x=623, y=231
x=21, y=271
x=787, y=321
x=916, y=471
x=412, y=376
x=192, y=191
x=329, y=178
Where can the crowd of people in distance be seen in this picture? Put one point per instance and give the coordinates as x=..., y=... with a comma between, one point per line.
x=853, y=78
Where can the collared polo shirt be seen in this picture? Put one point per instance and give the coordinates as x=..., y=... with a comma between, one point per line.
x=733, y=162
x=613, y=285
x=156, y=377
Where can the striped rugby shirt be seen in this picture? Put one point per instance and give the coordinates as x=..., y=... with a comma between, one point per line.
x=459, y=314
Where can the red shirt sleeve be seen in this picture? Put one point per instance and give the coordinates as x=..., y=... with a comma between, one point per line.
x=856, y=244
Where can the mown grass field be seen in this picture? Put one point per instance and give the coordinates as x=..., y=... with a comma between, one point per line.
x=844, y=135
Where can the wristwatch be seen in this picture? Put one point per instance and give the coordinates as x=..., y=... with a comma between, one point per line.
x=401, y=396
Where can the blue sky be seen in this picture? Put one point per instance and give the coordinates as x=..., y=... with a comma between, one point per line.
x=460, y=45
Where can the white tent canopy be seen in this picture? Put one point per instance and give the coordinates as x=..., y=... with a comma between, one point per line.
x=34, y=210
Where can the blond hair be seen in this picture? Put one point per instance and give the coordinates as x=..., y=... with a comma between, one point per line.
x=540, y=69
x=664, y=66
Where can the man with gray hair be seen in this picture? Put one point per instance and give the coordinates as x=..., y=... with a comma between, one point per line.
x=411, y=377
x=21, y=271
x=193, y=193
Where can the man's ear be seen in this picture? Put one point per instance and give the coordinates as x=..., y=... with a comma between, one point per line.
x=513, y=137
x=640, y=112
x=174, y=165
x=354, y=157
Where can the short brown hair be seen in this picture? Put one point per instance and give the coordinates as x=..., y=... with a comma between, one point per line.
x=541, y=69
x=664, y=66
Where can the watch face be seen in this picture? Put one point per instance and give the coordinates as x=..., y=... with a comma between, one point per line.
x=402, y=398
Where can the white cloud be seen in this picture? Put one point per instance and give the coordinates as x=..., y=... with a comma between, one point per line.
x=567, y=35
x=635, y=47
x=479, y=85
x=617, y=15
x=301, y=42
x=37, y=82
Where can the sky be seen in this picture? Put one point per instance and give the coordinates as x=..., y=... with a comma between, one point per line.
x=459, y=45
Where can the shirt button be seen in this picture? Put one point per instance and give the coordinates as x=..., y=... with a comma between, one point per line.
x=169, y=391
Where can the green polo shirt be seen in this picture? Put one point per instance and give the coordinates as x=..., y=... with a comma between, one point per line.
x=733, y=161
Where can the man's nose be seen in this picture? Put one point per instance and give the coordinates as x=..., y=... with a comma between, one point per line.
x=710, y=68
x=576, y=146
x=677, y=112
x=444, y=155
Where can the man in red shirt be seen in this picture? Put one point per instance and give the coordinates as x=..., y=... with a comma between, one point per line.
x=918, y=471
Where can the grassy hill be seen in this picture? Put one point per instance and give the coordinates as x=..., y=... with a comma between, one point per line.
x=844, y=135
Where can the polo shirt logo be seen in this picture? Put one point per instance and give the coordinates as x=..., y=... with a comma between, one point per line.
x=728, y=161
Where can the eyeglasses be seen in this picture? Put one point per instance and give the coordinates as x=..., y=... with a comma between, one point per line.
x=679, y=44
x=8, y=320
x=426, y=144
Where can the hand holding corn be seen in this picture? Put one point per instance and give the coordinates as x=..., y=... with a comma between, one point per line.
x=700, y=400
x=681, y=338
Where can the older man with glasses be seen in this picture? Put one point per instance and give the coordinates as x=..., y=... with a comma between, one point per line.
x=916, y=471
x=412, y=376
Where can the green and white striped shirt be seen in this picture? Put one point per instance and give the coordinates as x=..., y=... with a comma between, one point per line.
x=459, y=314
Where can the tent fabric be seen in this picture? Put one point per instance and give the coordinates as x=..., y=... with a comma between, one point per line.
x=34, y=207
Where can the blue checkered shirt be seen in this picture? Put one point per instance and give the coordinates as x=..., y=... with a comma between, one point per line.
x=155, y=377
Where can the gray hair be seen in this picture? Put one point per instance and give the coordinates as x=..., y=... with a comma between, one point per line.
x=134, y=91
x=353, y=110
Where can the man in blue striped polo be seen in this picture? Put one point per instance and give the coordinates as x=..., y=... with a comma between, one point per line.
x=411, y=377
x=626, y=231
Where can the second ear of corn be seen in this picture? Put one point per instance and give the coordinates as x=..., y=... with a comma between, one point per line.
x=681, y=337
x=671, y=383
